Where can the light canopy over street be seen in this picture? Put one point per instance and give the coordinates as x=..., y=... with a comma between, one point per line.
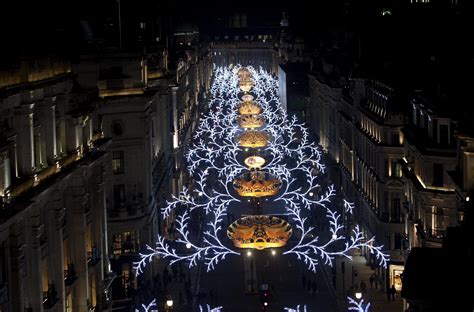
x=289, y=180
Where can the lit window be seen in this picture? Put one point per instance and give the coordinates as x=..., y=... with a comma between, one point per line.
x=117, y=162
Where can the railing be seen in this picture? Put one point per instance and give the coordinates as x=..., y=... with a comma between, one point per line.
x=50, y=297
x=386, y=217
x=128, y=209
x=93, y=257
x=69, y=275
x=436, y=233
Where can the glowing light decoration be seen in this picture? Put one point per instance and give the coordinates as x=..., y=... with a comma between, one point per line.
x=149, y=307
x=250, y=108
x=254, y=162
x=207, y=308
x=215, y=163
x=297, y=309
x=257, y=183
x=250, y=121
x=259, y=232
x=253, y=139
x=358, y=306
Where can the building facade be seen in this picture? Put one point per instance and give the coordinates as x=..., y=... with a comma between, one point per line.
x=53, y=184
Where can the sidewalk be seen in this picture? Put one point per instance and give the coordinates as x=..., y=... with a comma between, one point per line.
x=176, y=288
x=376, y=296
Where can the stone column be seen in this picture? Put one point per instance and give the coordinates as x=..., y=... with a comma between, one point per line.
x=78, y=240
x=33, y=260
x=174, y=109
x=23, y=124
x=56, y=248
x=48, y=124
x=99, y=226
x=17, y=275
x=5, y=179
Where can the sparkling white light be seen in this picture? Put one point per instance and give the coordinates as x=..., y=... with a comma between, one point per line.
x=148, y=308
x=358, y=306
x=213, y=163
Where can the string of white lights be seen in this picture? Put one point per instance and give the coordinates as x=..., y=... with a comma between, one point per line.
x=148, y=307
x=214, y=161
x=298, y=308
x=358, y=306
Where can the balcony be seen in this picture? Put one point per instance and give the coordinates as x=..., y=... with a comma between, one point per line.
x=50, y=297
x=93, y=257
x=436, y=233
x=70, y=275
x=386, y=217
x=128, y=210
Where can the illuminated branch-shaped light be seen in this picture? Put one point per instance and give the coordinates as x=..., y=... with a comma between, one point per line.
x=297, y=309
x=214, y=160
x=213, y=250
x=358, y=306
x=149, y=307
x=207, y=308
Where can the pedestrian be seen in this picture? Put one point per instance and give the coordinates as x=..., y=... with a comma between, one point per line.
x=371, y=281
x=389, y=291
x=363, y=287
x=393, y=292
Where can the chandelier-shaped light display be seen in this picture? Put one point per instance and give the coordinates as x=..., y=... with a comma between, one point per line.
x=249, y=108
x=216, y=164
x=250, y=121
x=246, y=82
x=257, y=183
x=253, y=139
x=259, y=232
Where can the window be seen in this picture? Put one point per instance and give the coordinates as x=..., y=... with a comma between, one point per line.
x=435, y=130
x=119, y=194
x=437, y=224
x=395, y=138
x=396, y=213
x=117, y=162
x=443, y=135
x=437, y=174
x=124, y=243
x=117, y=128
x=398, y=241
x=396, y=169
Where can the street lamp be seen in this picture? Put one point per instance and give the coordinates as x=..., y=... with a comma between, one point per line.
x=358, y=295
x=249, y=253
x=169, y=305
x=273, y=252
